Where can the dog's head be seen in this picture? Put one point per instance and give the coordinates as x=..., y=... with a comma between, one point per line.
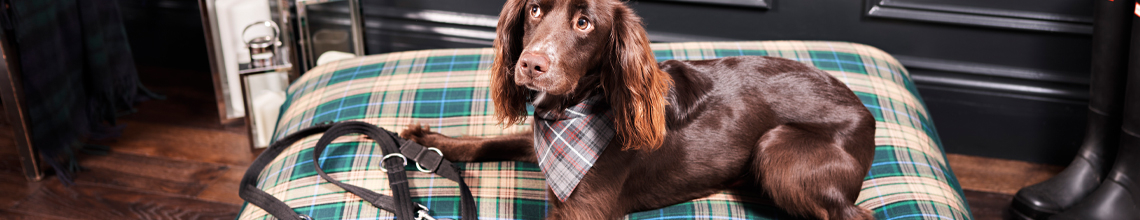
x=553, y=53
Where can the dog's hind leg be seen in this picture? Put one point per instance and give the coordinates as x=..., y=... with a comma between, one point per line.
x=805, y=170
x=513, y=147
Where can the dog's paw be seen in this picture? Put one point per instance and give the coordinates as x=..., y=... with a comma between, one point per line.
x=420, y=133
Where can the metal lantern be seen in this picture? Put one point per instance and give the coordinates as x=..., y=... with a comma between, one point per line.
x=263, y=82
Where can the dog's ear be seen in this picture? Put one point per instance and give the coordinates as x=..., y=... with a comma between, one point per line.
x=637, y=87
x=510, y=99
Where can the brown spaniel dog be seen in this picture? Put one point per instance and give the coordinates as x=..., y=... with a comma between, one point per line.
x=682, y=130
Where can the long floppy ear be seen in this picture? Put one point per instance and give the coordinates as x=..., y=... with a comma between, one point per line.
x=510, y=99
x=637, y=87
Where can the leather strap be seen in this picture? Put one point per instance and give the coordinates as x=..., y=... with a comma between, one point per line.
x=399, y=203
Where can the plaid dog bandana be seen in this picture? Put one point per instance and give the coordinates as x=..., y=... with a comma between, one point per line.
x=568, y=144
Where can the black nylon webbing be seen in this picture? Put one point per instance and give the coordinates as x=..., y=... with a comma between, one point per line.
x=397, y=177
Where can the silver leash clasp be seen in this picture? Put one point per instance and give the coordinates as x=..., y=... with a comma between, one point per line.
x=422, y=214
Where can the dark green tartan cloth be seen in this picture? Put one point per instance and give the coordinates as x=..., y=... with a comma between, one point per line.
x=447, y=89
x=77, y=69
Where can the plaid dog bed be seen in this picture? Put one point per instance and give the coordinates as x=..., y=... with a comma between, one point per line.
x=448, y=89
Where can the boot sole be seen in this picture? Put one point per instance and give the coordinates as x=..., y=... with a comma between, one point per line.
x=1020, y=211
x=1013, y=214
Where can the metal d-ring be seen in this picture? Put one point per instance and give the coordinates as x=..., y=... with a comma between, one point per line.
x=422, y=168
x=385, y=158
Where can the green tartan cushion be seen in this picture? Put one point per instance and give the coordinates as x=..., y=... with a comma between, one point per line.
x=448, y=89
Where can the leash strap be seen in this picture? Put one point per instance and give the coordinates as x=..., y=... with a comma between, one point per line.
x=394, y=160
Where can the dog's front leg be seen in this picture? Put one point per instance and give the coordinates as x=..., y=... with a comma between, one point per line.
x=597, y=207
x=599, y=195
x=513, y=147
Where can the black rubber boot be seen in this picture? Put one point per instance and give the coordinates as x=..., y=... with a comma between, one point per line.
x=1111, y=33
x=1117, y=197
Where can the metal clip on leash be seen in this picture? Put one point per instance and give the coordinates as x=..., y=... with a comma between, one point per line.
x=422, y=214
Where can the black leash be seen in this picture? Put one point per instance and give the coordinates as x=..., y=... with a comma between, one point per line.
x=429, y=160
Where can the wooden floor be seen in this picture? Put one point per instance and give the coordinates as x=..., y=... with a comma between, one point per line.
x=176, y=161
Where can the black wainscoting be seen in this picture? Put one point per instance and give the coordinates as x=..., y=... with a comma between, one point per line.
x=1006, y=79
x=1051, y=16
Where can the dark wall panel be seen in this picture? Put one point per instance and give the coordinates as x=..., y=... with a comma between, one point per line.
x=1004, y=79
x=1000, y=125
x=992, y=90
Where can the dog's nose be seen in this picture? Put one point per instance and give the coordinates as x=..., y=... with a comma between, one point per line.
x=533, y=64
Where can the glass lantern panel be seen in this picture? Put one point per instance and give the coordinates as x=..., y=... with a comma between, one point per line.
x=264, y=92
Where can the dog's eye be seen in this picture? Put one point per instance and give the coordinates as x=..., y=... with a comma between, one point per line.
x=534, y=11
x=582, y=23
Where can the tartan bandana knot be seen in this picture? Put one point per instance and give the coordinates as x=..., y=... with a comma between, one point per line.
x=568, y=144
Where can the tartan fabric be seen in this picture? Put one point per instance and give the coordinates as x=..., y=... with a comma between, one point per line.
x=568, y=143
x=78, y=72
x=447, y=89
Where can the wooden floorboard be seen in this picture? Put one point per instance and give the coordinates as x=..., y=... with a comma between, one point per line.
x=224, y=189
x=190, y=100
x=15, y=189
x=184, y=107
x=175, y=160
x=87, y=201
x=997, y=175
x=183, y=143
x=988, y=206
x=20, y=215
x=155, y=174
x=990, y=183
x=13, y=185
